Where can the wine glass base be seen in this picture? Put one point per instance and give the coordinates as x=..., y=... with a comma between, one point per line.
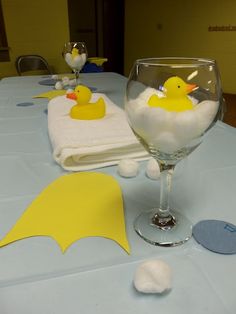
x=153, y=234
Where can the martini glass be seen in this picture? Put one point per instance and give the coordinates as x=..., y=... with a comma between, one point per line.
x=170, y=104
x=75, y=55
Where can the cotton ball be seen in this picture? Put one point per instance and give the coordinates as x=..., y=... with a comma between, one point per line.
x=72, y=82
x=206, y=112
x=128, y=168
x=84, y=57
x=157, y=120
x=78, y=62
x=166, y=142
x=65, y=81
x=153, y=170
x=55, y=77
x=136, y=119
x=185, y=125
x=134, y=105
x=153, y=276
x=147, y=122
x=68, y=59
x=58, y=85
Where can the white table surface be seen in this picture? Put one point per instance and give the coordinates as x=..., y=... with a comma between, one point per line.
x=95, y=274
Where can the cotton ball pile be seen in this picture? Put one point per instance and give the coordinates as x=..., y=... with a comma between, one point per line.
x=128, y=168
x=169, y=131
x=152, y=169
x=73, y=82
x=153, y=276
x=55, y=77
x=65, y=81
x=76, y=62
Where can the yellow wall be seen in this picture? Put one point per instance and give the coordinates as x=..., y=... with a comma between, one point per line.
x=180, y=28
x=35, y=27
x=152, y=28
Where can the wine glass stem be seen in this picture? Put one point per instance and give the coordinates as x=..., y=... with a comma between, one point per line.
x=77, y=77
x=162, y=217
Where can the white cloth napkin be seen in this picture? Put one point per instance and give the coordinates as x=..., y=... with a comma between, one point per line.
x=89, y=144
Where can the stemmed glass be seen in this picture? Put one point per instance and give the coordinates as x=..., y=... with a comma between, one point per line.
x=75, y=55
x=170, y=104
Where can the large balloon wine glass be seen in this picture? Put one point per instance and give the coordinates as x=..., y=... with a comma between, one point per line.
x=75, y=55
x=170, y=104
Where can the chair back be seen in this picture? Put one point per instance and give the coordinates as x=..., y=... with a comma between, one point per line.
x=27, y=63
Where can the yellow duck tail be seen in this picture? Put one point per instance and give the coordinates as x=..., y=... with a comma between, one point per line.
x=154, y=101
x=90, y=111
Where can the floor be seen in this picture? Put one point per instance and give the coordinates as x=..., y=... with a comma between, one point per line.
x=230, y=113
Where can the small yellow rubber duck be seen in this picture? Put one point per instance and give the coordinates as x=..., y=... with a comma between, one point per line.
x=175, y=95
x=74, y=52
x=84, y=110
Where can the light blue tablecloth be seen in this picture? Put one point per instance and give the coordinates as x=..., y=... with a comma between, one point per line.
x=95, y=274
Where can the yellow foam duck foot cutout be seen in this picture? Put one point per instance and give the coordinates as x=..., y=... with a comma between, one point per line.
x=74, y=206
x=175, y=98
x=84, y=109
x=51, y=94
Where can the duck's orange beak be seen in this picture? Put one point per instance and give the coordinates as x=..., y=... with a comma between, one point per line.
x=71, y=96
x=190, y=87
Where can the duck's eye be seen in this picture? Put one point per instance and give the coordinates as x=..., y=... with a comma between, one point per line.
x=178, y=86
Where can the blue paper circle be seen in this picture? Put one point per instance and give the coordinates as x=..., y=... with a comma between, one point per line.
x=48, y=82
x=216, y=235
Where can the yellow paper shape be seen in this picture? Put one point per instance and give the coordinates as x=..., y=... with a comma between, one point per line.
x=51, y=94
x=98, y=61
x=72, y=207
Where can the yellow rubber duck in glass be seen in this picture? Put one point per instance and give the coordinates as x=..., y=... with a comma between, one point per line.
x=84, y=109
x=175, y=97
x=74, y=52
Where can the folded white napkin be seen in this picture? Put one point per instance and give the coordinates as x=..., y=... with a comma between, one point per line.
x=89, y=144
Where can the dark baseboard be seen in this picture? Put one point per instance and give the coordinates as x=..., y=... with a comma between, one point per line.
x=230, y=113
